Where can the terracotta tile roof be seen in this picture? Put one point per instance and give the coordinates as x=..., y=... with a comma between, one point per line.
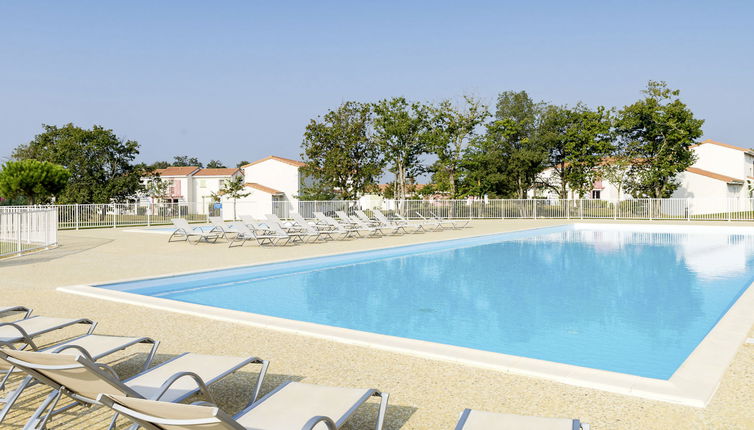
x=725, y=145
x=262, y=188
x=280, y=159
x=712, y=175
x=177, y=171
x=216, y=172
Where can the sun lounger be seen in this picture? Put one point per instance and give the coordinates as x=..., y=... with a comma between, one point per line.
x=250, y=230
x=15, y=309
x=439, y=222
x=303, y=223
x=183, y=229
x=96, y=345
x=225, y=229
x=295, y=236
x=419, y=226
x=385, y=221
x=292, y=405
x=24, y=331
x=364, y=217
x=287, y=226
x=478, y=420
x=361, y=225
x=344, y=218
x=317, y=232
x=456, y=223
x=82, y=379
x=344, y=231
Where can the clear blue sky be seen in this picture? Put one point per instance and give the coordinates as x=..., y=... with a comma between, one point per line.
x=239, y=80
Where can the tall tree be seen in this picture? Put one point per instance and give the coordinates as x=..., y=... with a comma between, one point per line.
x=100, y=163
x=452, y=128
x=657, y=133
x=158, y=165
x=509, y=156
x=215, y=164
x=241, y=163
x=577, y=140
x=234, y=188
x=340, y=153
x=36, y=181
x=185, y=160
x=402, y=131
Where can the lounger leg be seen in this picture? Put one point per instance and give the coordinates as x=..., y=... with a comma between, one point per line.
x=152, y=353
x=10, y=400
x=37, y=422
x=260, y=379
x=383, y=408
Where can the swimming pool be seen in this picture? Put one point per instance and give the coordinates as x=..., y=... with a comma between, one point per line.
x=630, y=299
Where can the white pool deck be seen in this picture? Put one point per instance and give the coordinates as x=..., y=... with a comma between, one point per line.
x=693, y=384
x=429, y=383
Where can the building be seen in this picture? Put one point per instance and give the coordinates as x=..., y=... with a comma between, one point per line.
x=192, y=185
x=274, y=184
x=720, y=171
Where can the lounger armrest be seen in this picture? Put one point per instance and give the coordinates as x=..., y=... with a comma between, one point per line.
x=320, y=419
x=22, y=332
x=78, y=348
x=171, y=380
x=26, y=311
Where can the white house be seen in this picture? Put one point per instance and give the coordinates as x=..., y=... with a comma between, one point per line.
x=193, y=185
x=274, y=184
x=720, y=171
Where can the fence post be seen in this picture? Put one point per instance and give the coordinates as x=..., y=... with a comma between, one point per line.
x=615, y=209
x=688, y=209
x=76, y=215
x=729, y=211
x=650, y=209
x=18, y=232
x=149, y=214
x=534, y=212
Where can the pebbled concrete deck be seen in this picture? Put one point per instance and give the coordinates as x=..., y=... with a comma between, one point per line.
x=425, y=393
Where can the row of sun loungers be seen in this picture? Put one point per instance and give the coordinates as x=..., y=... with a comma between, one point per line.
x=274, y=231
x=152, y=398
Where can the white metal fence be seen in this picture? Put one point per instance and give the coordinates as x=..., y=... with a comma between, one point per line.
x=27, y=229
x=639, y=209
x=148, y=214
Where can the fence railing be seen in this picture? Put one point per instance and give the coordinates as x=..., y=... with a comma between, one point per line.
x=148, y=214
x=27, y=229
x=733, y=209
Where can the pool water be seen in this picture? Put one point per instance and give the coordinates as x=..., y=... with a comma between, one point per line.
x=612, y=298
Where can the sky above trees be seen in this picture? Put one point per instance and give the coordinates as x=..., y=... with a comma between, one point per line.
x=240, y=80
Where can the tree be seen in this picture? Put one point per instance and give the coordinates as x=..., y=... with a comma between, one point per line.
x=234, y=188
x=241, y=163
x=100, y=163
x=215, y=164
x=452, y=128
x=577, y=141
x=506, y=160
x=657, y=133
x=156, y=188
x=340, y=153
x=185, y=161
x=402, y=132
x=616, y=170
x=158, y=165
x=36, y=181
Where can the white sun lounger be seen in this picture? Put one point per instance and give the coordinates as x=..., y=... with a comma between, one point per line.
x=301, y=222
x=15, y=309
x=290, y=406
x=184, y=230
x=226, y=229
x=96, y=345
x=418, y=225
x=364, y=217
x=286, y=225
x=261, y=235
x=396, y=225
x=361, y=225
x=82, y=379
x=456, y=223
x=478, y=420
x=25, y=330
x=345, y=231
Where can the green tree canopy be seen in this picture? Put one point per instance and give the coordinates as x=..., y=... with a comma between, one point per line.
x=100, y=163
x=452, y=128
x=577, y=140
x=506, y=160
x=36, y=181
x=215, y=164
x=402, y=132
x=185, y=161
x=657, y=133
x=340, y=153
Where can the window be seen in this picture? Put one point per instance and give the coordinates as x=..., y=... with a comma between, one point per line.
x=202, y=183
x=596, y=194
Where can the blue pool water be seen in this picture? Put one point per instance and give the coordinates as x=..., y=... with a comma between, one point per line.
x=610, y=298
